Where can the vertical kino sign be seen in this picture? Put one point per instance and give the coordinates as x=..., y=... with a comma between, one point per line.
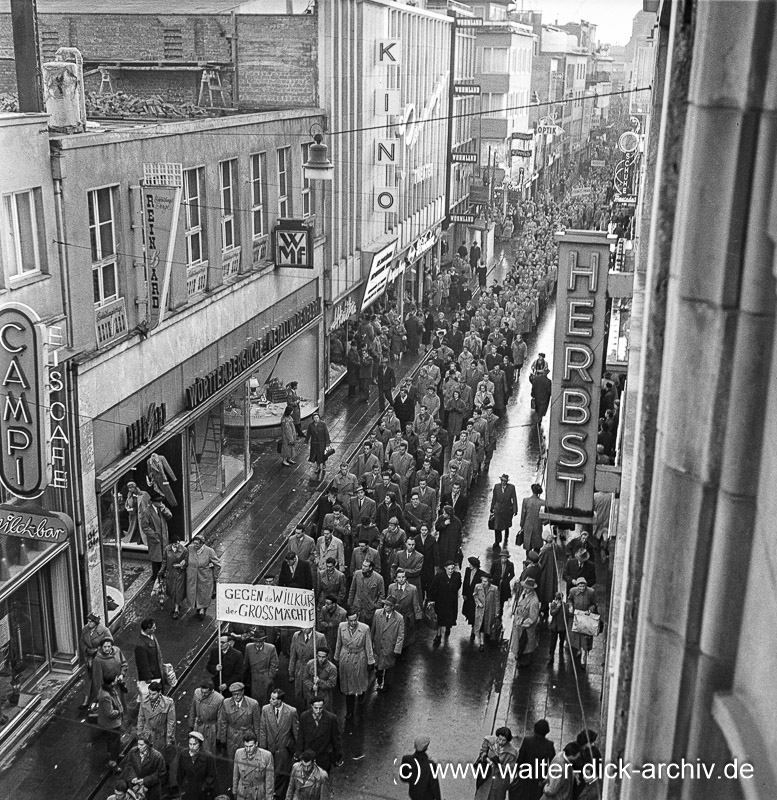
x=577, y=369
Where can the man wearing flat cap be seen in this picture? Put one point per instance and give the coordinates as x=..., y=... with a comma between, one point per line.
x=504, y=506
x=416, y=770
x=238, y=716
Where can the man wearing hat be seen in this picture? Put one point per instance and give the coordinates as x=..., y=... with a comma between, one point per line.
x=580, y=566
x=444, y=594
x=261, y=664
x=416, y=770
x=504, y=506
x=92, y=634
x=278, y=731
x=156, y=720
x=320, y=680
x=525, y=618
x=204, y=713
x=229, y=669
x=530, y=528
x=238, y=716
x=196, y=771
x=388, y=636
x=471, y=579
x=502, y=574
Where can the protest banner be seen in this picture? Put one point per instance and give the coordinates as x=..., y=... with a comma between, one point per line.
x=272, y=606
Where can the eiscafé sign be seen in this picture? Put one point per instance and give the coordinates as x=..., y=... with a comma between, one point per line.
x=34, y=523
x=577, y=368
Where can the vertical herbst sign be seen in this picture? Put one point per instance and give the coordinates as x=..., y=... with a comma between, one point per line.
x=577, y=369
x=23, y=469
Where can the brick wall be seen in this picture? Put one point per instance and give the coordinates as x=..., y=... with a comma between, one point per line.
x=277, y=61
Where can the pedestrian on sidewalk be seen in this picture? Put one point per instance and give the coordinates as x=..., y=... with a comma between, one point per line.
x=541, y=389
x=354, y=656
x=173, y=573
x=253, y=776
x=502, y=574
x=196, y=770
x=416, y=770
x=288, y=437
x=559, y=621
x=204, y=713
x=504, y=506
x=293, y=402
x=318, y=438
x=534, y=756
x=560, y=783
x=278, y=732
x=580, y=566
x=581, y=598
x=146, y=769
x=530, y=526
x=148, y=657
x=366, y=366
x=110, y=717
x=525, y=618
x=110, y=663
x=202, y=572
x=486, y=598
x=443, y=595
x=92, y=634
x=319, y=732
x=388, y=635
x=308, y=781
x=495, y=752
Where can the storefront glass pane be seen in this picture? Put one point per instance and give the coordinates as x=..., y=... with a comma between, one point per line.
x=114, y=589
x=217, y=456
x=18, y=554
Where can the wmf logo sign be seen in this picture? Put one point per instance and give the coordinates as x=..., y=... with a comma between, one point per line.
x=293, y=245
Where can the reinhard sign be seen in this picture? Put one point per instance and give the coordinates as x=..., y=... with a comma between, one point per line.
x=265, y=605
x=577, y=371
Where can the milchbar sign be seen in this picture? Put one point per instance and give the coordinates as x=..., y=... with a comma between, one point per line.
x=577, y=369
x=35, y=523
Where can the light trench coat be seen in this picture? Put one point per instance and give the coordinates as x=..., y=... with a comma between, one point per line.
x=201, y=573
x=353, y=655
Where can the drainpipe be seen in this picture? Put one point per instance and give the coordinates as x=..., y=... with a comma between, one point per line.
x=64, y=262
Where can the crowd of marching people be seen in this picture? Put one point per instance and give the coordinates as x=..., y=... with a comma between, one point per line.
x=383, y=553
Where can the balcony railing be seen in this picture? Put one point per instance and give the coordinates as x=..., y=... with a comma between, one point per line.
x=196, y=279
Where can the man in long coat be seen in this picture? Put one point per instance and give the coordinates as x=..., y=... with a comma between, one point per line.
x=261, y=663
x=426, y=545
x=367, y=590
x=354, y=655
x=502, y=574
x=204, y=714
x=278, y=731
x=238, y=715
x=448, y=527
x=388, y=636
x=320, y=680
x=304, y=644
x=202, y=571
x=412, y=562
x=253, y=776
x=525, y=619
x=319, y=732
x=156, y=718
x=444, y=593
x=504, y=506
x=530, y=525
x=92, y=634
x=408, y=604
x=328, y=620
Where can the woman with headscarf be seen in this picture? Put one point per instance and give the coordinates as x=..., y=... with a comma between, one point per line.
x=497, y=754
x=173, y=573
x=318, y=437
x=581, y=598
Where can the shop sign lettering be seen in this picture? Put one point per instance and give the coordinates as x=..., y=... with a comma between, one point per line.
x=59, y=443
x=147, y=427
x=342, y=312
x=579, y=349
x=203, y=388
x=39, y=525
x=22, y=424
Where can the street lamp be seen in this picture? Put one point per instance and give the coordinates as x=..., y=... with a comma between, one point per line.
x=318, y=167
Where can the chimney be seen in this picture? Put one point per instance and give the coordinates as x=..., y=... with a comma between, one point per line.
x=24, y=21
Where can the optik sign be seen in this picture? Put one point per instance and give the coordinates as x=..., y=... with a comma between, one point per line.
x=23, y=470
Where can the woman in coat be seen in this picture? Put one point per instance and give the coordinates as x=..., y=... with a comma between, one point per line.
x=415, y=328
x=486, y=599
x=471, y=580
x=202, y=571
x=502, y=574
x=483, y=397
x=292, y=400
x=444, y=593
x=352, y=362
x=398, y=341
x=456, y=410
x=496, y=750
x=354, y=656
x=318, y=437
x=429, y=328
x=549, y=562
x=288, y=437
x=448, y=527
x=110, y=716
x=173, y=572
x=581, y=598
x=88, y=644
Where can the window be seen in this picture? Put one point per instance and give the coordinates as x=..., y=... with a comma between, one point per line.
x=258, y=221
x=284, y=199
x=193, y=193
x=24, y=245
x=228, y=180
x=307, y=192
x=102, y=235
x=493, y=103
x=495, y=60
